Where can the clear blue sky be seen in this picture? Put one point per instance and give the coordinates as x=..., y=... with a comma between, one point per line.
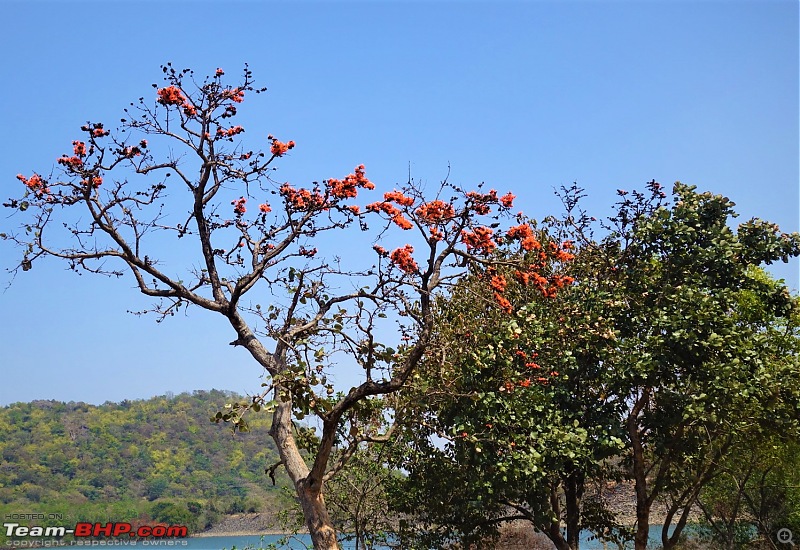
x=525, y=96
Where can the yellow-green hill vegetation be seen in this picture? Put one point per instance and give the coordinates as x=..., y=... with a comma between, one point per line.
x=159, y=459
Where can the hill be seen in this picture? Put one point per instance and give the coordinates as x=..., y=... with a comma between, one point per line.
x=159, y=459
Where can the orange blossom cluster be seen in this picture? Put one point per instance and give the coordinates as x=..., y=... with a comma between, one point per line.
x=96, y=130
x=35, y=183
x=279, y=148
x=230, y=132
x=239, y=206
x=480, y=201
x=479, y=241
x=301, y=199
x=392, y=211
x=436, y=212
x=171, y=95
x=524, y=234
x=348, y=187
x=235, y=94
x=402, y=258
x=94, y=181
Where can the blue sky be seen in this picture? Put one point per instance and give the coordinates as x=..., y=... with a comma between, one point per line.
x=526, y=96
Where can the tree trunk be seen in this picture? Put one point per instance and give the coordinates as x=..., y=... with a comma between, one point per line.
x=643, y=500
x=554, y=527
x=323, y=535
x=309, y=491
x=573, y=494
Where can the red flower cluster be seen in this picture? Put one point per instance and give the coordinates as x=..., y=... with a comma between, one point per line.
x=308, y=252
x=302, y=199
x=219, y=72
x=239, y=206
x=264, y=208
x=392, y=211
x=235, y=94
x=279, y=148
x=531, y=277
x=436, y=235
x=79, y=148
x=480, y=201
x=401, y=257
x=436, y=212
x=348, y=187
x=230, y=132
x=96, y=130
x=503, y=302
x=354, y=209
x=507, y=200
x=35, y=183
x=130, y=152
x=560, y=281
x=498, y=283
x=524, y=233
x=70, y=162
x=561, y=253
x=95, y=181
x=399, y=198
x=170, y=95
x=376, y=247
x=479, y=241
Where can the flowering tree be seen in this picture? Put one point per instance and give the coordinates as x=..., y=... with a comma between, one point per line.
x=177, y=181
x=518, y=401
x=670, y=353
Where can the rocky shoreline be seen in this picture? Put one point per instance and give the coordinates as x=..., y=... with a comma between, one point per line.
x=620, y=497
x=242, y=525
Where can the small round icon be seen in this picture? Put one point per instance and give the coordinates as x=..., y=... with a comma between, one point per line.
x=785, y=536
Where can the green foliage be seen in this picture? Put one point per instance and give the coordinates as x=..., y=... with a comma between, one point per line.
x=171, y=513
x=504, y=419
x=667, y=351
x=158, y=458
x=357, y=498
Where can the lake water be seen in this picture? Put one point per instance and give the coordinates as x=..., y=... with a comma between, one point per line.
x=297, y=542
x=302, y=542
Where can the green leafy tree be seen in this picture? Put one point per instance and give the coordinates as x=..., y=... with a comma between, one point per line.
x=174, y=183
x=664, y=346
x=756, y=491
x=358, y=501
x=694, y=366
x=505, y=428
x=754, y=495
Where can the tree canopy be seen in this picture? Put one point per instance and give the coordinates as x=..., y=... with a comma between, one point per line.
x=166, y=199
x=665, y=352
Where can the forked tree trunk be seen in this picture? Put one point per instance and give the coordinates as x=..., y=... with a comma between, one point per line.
x=309, y=492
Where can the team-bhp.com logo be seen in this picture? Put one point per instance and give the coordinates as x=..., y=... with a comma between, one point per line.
x=94, y=530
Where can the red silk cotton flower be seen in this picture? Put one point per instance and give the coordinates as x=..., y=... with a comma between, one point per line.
x=401, y=257
x=170, y=96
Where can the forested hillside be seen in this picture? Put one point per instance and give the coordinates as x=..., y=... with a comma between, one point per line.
x=159, y=459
